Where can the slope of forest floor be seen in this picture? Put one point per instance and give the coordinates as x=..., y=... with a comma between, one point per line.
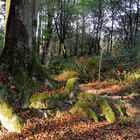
x=67, y=126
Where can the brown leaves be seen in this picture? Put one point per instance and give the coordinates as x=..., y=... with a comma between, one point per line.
x=68, y=126
x=71, y=127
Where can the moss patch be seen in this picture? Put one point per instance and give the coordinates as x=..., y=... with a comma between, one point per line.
x=93, y=106
x=8, y=118
x=106, y=110
x=46, y=101
x=84, y=110
x=70, y=84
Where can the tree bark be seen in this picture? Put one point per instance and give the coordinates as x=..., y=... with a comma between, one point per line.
x=48, y=45
x=18, y=50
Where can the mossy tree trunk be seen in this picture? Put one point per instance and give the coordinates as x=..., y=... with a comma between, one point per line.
x=18, y=50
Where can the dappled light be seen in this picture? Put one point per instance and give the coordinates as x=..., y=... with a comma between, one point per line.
x=69, y=69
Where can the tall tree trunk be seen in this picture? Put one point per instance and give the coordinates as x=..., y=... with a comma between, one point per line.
x=18, y=50
x=83, y=33
x=48, y=45
x=39, y=34
x=77, y=38
x=35, y=9
x=130, y=24
x=136, y=23
x=112, y=29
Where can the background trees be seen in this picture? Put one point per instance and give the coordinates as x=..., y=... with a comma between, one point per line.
x=81, y=27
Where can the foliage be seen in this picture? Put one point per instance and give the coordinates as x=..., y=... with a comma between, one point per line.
x=128, y=57
x=134, y=76
x=87, y=68
x=122, y=64
x=56, y=65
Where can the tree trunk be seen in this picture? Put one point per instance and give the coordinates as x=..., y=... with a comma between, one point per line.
x=18, y=51
x=77, y=38
x=35, y=9
x=39, y=34
x=46, y=53
x=48, y=45
x=83, y=33
x=63, y=49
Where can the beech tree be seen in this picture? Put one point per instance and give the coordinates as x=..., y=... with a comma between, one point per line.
x=20, y=28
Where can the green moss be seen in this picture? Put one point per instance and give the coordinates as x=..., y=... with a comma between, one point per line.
x=8, y=117
x=41, y=101
x=27, y=89
x=106, y=110
x=45, y=101
x=70, y=84
x=119, y=109
x=6, y=110
x=83, y=109
x=93, y=115
x=14, y=124
x=87, y=97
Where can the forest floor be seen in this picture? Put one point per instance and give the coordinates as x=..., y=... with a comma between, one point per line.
x=67, y=126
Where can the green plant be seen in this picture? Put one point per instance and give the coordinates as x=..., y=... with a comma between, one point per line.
x=56, y=65
x=87, y=68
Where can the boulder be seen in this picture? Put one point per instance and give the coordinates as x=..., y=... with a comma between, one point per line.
x=8, y=117
x=47, y=101
x=107, y=111
x=71, y=88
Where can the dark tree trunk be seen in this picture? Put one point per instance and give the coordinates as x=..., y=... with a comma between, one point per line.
x=18, y=50
x=62, y=49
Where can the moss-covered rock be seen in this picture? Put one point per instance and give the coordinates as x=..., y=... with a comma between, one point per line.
x=71, y=84
x=87, y=97
x=8, y=118
x=94, y=106
x=27, y=90
x=118, y=109
x=83, y=109
x=106, y=110
x=13, y=124
x=71, y=88
x=46, y=101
